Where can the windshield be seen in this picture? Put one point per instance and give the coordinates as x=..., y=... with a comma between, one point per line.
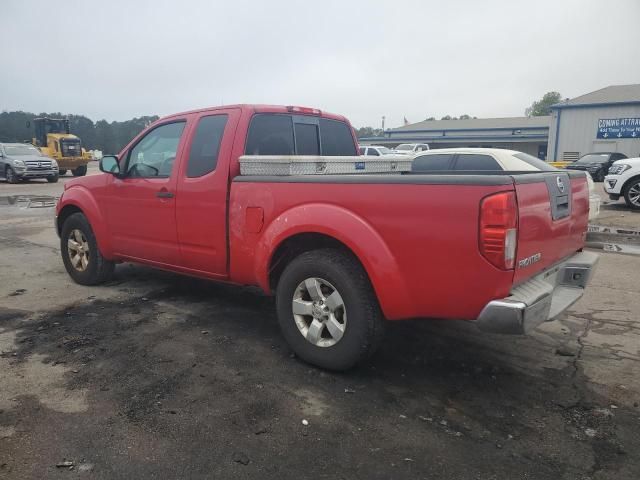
x=384, y=150
x=55, y=126
x=594, y=158
x=405, y=146
x=13, y=150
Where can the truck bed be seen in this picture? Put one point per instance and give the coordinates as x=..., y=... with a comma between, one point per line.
x=416, y=235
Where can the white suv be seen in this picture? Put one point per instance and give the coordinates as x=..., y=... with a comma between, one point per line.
x=410, y=148
x=623, y=180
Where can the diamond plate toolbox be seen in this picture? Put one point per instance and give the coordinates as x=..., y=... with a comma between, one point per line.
x=314, y=165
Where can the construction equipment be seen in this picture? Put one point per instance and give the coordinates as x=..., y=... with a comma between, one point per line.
x=54, y=139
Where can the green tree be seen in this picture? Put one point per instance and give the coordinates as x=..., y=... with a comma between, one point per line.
x=102, y=135
x=543, y=106
x=368, y=132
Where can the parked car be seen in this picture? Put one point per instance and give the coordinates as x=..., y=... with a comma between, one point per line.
x=410, y=148
x=375, y=150
x=22, y=161
x=597, y=164
x=340, y=253
x=491, y=159
x=624, y=180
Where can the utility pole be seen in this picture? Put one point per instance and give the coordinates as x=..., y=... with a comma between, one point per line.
x=382, y=124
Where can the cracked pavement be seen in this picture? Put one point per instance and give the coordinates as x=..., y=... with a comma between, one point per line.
x=155, y=375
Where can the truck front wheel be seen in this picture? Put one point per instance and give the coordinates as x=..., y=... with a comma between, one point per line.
x=62, y=172
x=79, y=171
x=80, y=254
x=327, y=310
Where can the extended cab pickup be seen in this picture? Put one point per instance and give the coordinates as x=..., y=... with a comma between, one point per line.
x=341, y=253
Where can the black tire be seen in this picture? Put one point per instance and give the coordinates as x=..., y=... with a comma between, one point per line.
x=599, y=176
x=52, y=179
x=364, y=324
x=98, y=269
x=629, y=191
x=62, y=172
x=10, y=175
x=79, y=171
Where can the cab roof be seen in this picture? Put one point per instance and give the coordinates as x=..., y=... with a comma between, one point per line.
x=259, y=108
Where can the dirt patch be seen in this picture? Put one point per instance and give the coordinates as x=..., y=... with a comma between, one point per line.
x=194, y=381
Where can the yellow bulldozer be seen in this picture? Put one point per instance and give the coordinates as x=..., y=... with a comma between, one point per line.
x=54, y=139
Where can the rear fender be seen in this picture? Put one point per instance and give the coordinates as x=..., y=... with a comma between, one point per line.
x=349, y=229
x=82, y=199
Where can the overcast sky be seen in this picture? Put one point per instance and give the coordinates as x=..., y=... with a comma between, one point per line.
x=119, y=59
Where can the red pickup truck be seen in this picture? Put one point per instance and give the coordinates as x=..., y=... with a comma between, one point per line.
x=341, y=253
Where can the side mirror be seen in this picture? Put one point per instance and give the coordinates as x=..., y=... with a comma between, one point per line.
x=109, y=164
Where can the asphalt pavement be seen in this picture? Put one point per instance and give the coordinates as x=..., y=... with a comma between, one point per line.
x=155, y=375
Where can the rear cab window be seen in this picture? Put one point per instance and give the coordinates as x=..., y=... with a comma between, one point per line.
x=283, y=134
x=476, y=162
x=432, y=163
x=307, y=138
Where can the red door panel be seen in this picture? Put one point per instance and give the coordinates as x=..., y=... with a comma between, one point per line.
x=201, y=200
x=141, y=205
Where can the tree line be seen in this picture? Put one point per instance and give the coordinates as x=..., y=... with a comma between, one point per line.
x=109, y=137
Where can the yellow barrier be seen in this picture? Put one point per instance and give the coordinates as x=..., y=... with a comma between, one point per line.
x=559, y=164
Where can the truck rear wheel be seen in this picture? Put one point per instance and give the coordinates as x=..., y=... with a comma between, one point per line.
x=327, y=310
x=79, y=171
x=80, y=254
x=62, y=172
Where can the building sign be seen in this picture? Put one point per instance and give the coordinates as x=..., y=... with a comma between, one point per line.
x=618, y=128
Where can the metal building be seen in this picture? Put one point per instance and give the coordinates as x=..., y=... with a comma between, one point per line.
x=526, y=134
x=607, y=120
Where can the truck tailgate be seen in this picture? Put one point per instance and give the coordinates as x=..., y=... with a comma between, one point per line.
x=553, y=210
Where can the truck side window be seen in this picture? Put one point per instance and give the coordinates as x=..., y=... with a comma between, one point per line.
x=205, y=145
x=307, y=139
x=336, y=138
x=270, y=134
x=432, y=163
x=476, y=162
x=154, y=155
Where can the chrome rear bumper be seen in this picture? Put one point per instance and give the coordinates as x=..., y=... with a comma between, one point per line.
x=540, y=299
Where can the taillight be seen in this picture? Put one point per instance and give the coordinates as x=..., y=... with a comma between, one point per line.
x=307, y=110
x=499, y=229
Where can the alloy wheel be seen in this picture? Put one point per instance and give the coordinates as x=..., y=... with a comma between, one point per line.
x=634, y=194
x=78, y=250
x=319, y=312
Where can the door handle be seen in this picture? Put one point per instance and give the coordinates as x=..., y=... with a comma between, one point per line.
x=164, y=194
